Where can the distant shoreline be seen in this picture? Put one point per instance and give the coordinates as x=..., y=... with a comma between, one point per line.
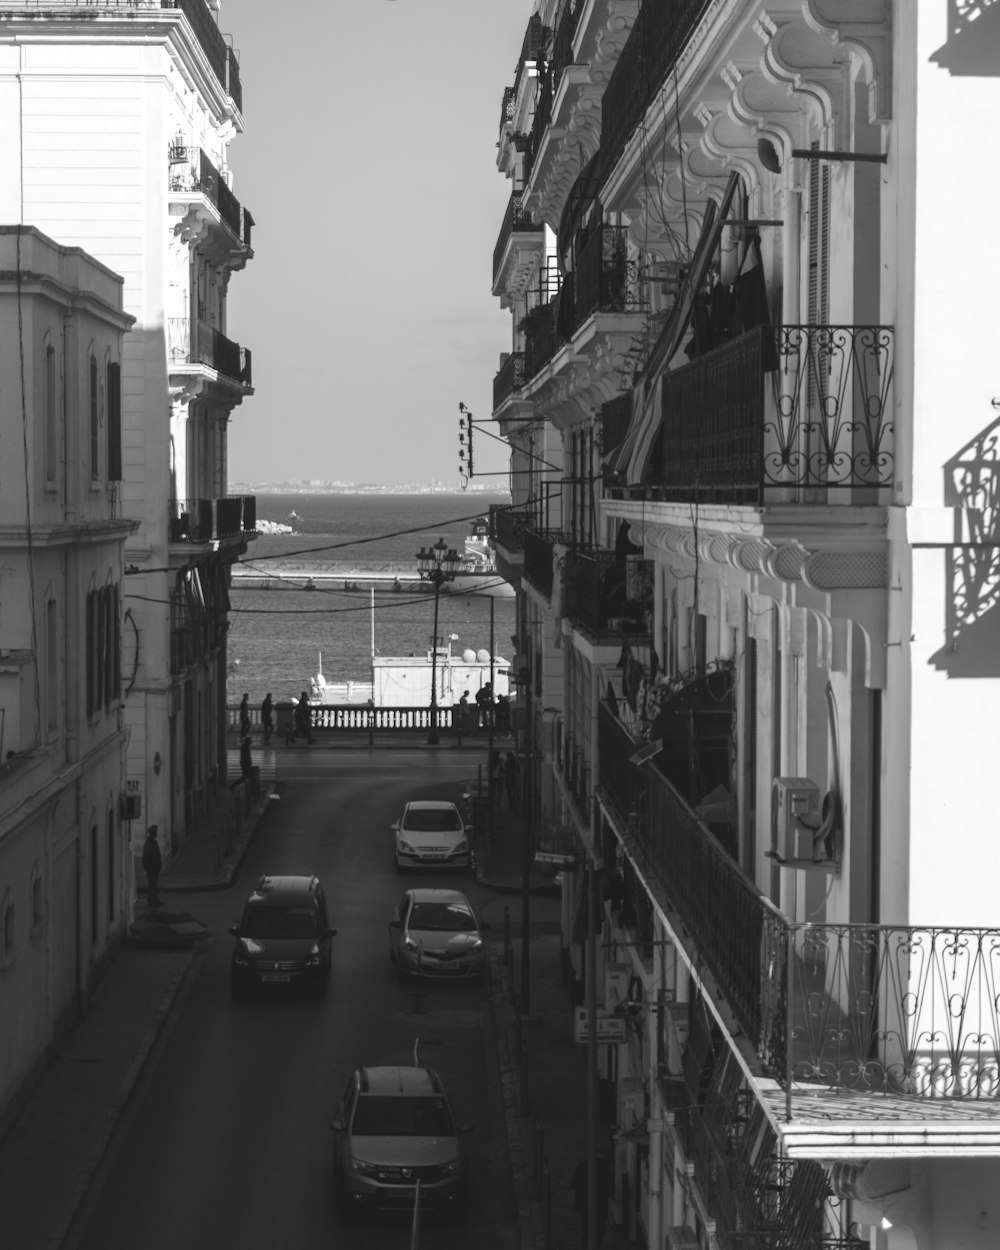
x=355, y=488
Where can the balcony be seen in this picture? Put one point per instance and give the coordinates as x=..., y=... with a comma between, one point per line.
x=507, y=528
x=659, y=35
x=195, y=343
x=192, y=173
x=212, y=520
x=508, y=379
x=798, y=414
x=541, y=340
x=596, y=589
x=535, y=37
x=220, y=56
x=519, y=241
x=909, y=1014
x=605, y=280
x=562, y=43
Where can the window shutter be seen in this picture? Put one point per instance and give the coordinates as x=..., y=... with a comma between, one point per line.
x=114, y=421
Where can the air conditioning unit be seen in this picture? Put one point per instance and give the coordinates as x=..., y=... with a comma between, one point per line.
x=796, y=817
x=681, y=1237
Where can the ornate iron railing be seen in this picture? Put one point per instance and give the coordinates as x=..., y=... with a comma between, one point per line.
x=205, y=520
x=194, y=342
x=538, y=561
x=605, y=279
x=535, y=37
x=508, y=379
x=654, y=43
x=507, y=102
x=507, y=527
x=233, y=83
x=543, y=342
x=543, y=114
x=908, y=1011
x=208, y=35
x=207, y=179
x=562, y=43
x=515, y=219
x=796, y=408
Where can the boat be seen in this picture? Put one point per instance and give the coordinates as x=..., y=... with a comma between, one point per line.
x=477, y=573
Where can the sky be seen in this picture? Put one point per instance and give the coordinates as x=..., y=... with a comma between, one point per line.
x=368, y=162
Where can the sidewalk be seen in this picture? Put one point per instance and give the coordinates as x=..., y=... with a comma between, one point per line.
x=51, y=1151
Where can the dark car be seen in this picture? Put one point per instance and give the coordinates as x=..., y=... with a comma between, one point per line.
x=435, y=933
x=283, y=938
x=393, y=1128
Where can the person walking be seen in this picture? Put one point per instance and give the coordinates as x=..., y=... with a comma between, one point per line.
x=510, y=779
x=152, y=862
x=463, y=713
x=267, y=718
x=605, y=1189
x=244, y=716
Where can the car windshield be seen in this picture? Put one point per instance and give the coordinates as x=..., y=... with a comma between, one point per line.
x=431, y=819
x=280, y=922
x=448, y=917
x=402, y=1116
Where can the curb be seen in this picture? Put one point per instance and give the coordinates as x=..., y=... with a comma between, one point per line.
x=116, y=1109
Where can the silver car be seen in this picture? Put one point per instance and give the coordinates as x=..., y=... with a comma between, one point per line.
x=431, y=834
x=435, y=934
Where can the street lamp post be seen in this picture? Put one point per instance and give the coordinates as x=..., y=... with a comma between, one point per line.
x=437, y=565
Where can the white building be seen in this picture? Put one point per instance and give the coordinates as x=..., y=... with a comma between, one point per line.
x=65, y=871
x=115, y=122
x=752, y=373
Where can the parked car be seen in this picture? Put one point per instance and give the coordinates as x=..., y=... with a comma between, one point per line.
x=283, y=938
x=436, y=933
x=431, y=834
x=393, y=1127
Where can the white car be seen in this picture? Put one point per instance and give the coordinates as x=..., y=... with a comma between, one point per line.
x=431, y=834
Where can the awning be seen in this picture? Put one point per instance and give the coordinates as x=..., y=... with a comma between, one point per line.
x=631, y=457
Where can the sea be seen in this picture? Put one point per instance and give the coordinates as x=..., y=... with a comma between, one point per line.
x=279, y=639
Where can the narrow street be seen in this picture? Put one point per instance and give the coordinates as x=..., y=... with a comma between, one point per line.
x=228, y=1142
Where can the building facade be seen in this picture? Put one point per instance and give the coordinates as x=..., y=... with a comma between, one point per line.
x=755, y=538
x=65, y=869
x=118, y=130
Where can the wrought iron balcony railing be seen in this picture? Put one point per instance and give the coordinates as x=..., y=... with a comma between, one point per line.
x=783, y=412
x=542, y=343
x=515, y=221
x=220, y=56
x=535, y=38
x=208, y=520
x=507, y=527
x=562, y=43
x=588, y=592
x=194, y=342
x=187, y=174
x=508, y=379
x=910, y=1012
x=507, y=108
x=659, y=35
x=605, y=279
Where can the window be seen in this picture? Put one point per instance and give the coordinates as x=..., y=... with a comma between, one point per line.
x=114, y=421
x=37, y=901
x=51, y=418
x=8, y=931
x=95, y=447
x=103, y=648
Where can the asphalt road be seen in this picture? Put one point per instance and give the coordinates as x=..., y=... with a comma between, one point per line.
x=227, y=1142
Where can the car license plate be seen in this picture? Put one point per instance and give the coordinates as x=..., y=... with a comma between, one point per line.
x=276, y=976
x=435, y=855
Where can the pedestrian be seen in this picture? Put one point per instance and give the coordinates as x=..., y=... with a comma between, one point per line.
x=246, y=759
x=503, y=714
x=266, y=718
x=152, y=862
x=303, y=718
x=244, y=716
x=510, y=778
x=496, y=778
x=484, y=697
x=605, y=1189
x=463, y=713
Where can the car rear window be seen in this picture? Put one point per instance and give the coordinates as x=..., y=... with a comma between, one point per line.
x=401, y=1116
x=280, y=922
x=432, y=819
